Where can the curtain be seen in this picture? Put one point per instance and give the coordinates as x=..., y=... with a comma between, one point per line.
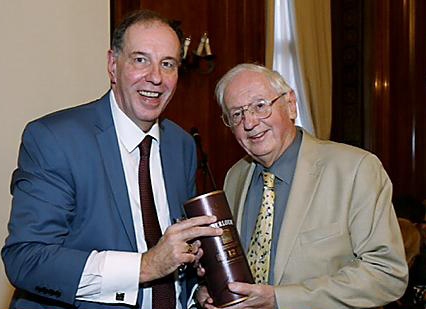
x=301, y=46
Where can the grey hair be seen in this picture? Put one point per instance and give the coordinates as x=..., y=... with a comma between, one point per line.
x=277, y=81
x=144, y=17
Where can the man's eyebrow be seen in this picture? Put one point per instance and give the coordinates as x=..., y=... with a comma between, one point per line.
x=138, y=53
x=170, y=58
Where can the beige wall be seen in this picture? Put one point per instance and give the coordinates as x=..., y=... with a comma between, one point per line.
x=53, y=55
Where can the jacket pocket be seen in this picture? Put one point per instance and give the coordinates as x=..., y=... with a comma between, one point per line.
x=320, y=234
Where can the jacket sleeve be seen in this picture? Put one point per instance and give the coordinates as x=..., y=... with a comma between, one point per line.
x=377, y=273
x=34, y=254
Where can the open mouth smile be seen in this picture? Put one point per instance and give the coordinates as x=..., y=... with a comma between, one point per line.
x=257, y=135
x=149, y=94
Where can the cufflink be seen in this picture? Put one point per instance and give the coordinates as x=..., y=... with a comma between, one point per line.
x=119, y=296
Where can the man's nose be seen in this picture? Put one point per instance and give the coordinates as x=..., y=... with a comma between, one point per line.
x=250, y=120
x=154, y=75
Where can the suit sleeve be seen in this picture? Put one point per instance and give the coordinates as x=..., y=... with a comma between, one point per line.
x=43, y=206
x=377, y=274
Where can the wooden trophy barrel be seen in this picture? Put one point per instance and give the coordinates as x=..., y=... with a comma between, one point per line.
x=223, y=259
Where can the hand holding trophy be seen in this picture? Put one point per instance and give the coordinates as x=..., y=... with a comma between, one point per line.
x=223, y=259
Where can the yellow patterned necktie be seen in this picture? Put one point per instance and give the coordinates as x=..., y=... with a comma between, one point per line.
x=260, y=245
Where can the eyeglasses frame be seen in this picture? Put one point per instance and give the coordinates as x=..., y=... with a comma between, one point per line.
x=246, y=107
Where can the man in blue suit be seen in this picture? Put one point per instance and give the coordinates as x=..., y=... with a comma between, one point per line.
x=76, y=231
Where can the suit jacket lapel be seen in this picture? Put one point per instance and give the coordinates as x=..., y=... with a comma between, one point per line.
x=171, y=172
x=305, y=182
x=244, y=188
x=110, y=153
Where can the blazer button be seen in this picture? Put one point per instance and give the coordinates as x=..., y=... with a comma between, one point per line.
x=57, y=293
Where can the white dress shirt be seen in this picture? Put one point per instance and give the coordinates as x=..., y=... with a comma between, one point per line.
x=107, y=273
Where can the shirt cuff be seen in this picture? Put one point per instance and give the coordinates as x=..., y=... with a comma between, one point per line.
x=114, y=278
x=121, y=277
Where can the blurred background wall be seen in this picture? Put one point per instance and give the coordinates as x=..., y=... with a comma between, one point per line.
x=53, y=55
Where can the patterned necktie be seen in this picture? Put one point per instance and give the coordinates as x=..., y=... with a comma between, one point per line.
x=260, y=245
x=163, y=290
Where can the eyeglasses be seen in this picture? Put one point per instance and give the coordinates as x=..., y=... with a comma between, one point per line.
x=260, y=109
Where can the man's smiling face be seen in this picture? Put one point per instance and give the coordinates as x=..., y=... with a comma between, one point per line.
x=145, y=73
x=265, y=139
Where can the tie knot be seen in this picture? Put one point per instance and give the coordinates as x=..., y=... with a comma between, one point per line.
x=145, y=146
x=268, y=180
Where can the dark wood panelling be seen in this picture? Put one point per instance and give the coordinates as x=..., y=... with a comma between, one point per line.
x=391, y=108
x=119, y=9
x=401, y=99
x=418, y=81
x=398, y=104
x=347, y=43
x=236, y=29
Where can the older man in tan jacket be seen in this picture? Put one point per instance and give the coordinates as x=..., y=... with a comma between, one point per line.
x=334, y=240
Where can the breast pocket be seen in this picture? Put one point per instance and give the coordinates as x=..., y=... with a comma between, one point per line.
x=329, y=247
x=320, y=234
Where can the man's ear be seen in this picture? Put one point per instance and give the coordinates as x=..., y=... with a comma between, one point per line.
x=112, y=65
x=292, y=105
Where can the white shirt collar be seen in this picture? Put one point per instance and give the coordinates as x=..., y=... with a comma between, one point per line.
x=127, y=131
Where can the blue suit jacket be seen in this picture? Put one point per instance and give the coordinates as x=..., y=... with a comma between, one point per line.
x=70, y=197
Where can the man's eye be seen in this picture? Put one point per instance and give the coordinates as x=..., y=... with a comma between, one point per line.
x=170, y=65
x=236, y=114
x=260, y=105
x=141, y=60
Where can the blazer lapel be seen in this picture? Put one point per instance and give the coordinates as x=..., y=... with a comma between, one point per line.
x=174, y=185
x=243, y=194
x=110, y=153
x=305, y=182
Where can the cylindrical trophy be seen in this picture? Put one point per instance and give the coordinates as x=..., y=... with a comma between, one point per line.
x=223, y=259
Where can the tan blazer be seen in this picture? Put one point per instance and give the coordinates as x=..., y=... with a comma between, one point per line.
x=339, y=245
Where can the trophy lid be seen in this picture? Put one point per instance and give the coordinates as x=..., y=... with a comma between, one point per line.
x=199, y=197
